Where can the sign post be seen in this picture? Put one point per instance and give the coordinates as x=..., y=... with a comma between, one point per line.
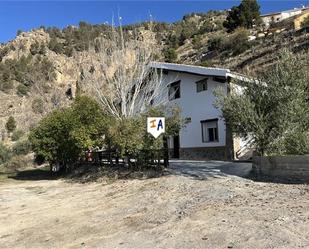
x=156, y=126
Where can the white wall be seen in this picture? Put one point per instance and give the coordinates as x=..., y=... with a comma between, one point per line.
x=198, y=106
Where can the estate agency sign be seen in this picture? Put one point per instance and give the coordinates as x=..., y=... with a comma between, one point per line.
x=156, y=126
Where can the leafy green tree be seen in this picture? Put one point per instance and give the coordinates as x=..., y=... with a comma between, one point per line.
x=249, y=13
x=233, y=19
x=63, y=135
x=245, y=15
x=273, y=110
x=10, y=124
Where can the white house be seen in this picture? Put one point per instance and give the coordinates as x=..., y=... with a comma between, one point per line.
x=206, y=136
x=280, y=16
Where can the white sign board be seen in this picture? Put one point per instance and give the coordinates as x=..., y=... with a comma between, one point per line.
x=156, y=126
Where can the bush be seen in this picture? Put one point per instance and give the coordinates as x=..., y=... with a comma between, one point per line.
x=35, y=48
x=22, y=148
x=215, y=43
x=238, y=41
x=130, y=134
x=63, y=135
x=170, y=55
x=16, y=135
x=16, y=163
x=56, y=46
x=206, y=63
x=5, y=154
x=10, y=124
x=37, y=106
x=6, y=85
x=22, y=90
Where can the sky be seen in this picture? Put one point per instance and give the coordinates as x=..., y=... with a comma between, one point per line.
x=26, y=15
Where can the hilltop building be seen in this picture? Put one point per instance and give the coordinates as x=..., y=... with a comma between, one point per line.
x=270, y=18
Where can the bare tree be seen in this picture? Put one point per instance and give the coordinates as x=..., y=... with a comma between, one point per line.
x=117, y=72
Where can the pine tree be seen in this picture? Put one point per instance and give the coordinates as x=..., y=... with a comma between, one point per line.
x=245, y=15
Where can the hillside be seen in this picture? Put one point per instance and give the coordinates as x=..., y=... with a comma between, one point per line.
x=40, y=70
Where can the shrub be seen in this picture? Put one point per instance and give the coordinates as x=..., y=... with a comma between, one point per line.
x=10, y=124
x=237, y=42
x=6, y=85
x=37, y=106
x=3, y=52
x=170, y=55
x=196, y=41
x=55, y=46
x=22, y=90
x=64, y=134
x=215, y=43
x=35, y=48
x=16, y=135
x=5, y=153
x=130, y=134
x=206, y=63
x=17, y=163
x=22, y=148
x=305, y=23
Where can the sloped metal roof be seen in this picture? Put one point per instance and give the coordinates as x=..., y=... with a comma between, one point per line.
x=191, y=69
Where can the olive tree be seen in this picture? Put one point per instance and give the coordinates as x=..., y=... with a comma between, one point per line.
x=273, y=108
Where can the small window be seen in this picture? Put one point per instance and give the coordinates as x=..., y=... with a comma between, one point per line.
x=201, y=85
x=174, y=90
x=210, y=130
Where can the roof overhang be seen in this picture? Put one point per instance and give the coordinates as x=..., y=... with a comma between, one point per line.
x=197, y=70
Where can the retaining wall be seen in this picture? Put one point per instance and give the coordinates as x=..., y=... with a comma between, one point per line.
x=285, y=167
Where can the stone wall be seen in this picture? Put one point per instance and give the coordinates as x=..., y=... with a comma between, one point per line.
x=285, y=167
x=205, y=153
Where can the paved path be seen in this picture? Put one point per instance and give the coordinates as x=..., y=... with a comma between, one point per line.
x=205, y=169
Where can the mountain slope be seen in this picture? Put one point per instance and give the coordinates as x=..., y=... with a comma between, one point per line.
x=40, y=69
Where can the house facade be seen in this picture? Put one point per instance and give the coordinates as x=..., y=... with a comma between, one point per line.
x=280, y=16
x=205, y=135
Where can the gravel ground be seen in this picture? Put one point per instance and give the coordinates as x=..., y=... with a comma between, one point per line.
x=198, y=205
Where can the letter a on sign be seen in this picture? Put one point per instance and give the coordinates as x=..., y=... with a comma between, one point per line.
x=156, y=126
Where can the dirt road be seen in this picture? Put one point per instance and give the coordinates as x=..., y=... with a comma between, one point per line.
x=199, y=205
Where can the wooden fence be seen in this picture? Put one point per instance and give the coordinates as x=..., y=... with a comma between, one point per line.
x=140, y=158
